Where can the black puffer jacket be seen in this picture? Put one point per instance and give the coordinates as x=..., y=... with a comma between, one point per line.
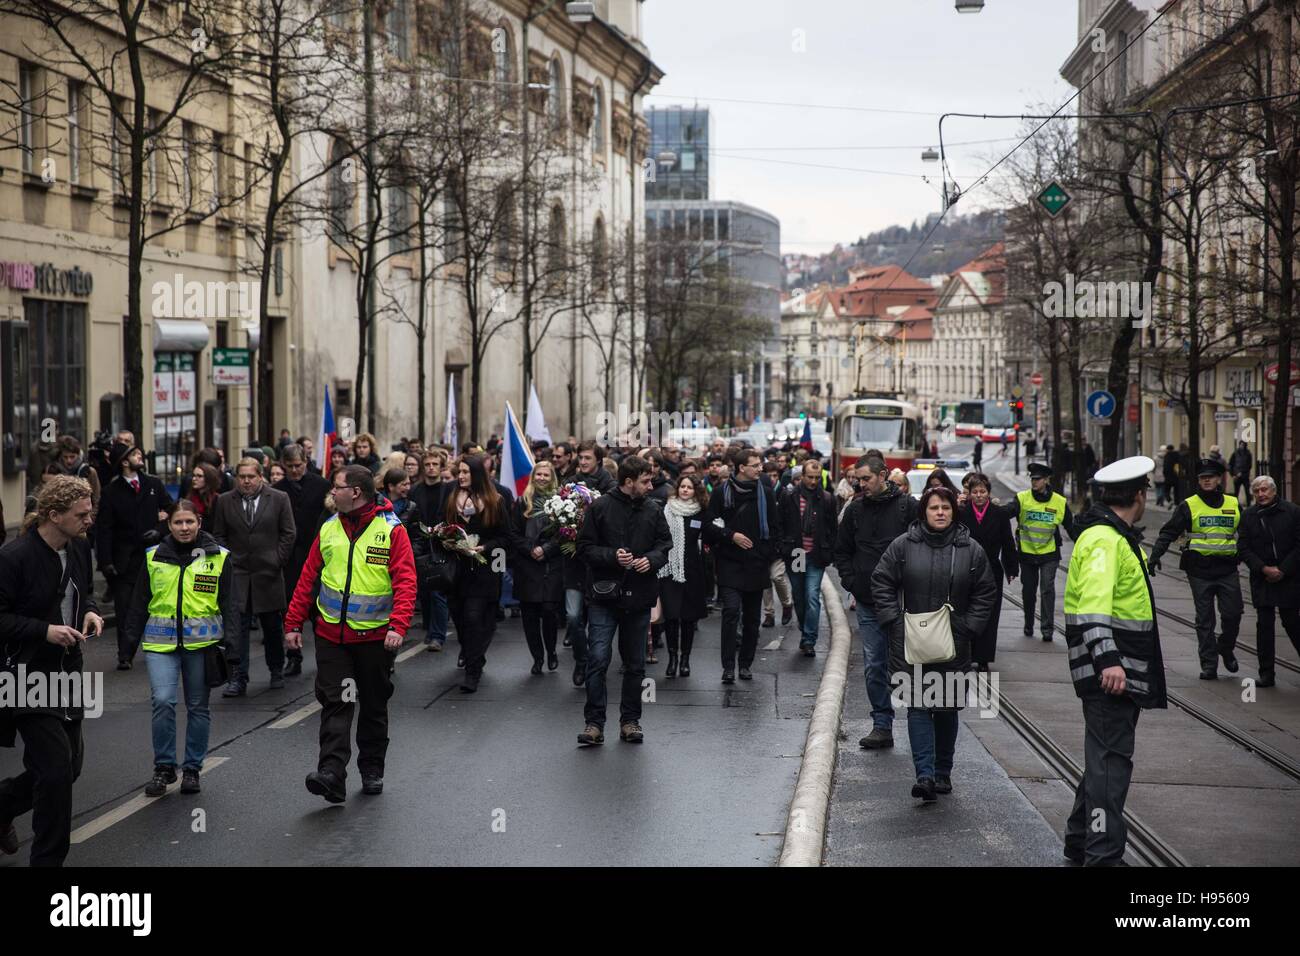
x=30, y=573
x=867, y=527
x=535, y=581
x=1270, y=537
x=635, y=524
x=916, y=573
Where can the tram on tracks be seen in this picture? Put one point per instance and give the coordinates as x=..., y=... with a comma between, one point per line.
x=879, y=422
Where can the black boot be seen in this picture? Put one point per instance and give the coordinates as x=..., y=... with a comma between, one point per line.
x=671, y=669
x=688, y=639
x=671, y=634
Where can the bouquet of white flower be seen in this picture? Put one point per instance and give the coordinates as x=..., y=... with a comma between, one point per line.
x=565, y=509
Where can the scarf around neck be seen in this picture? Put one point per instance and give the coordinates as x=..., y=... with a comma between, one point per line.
x=677, y=511
x=744, y=489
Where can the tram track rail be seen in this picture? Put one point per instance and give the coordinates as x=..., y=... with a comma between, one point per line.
x=1247, y=741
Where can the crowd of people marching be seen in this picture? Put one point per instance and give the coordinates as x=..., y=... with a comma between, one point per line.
x=600, y=547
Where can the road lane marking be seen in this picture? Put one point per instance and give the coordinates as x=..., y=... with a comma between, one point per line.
x=302, y=713
x=134, y=805
x=409, y=652
x=774, y=646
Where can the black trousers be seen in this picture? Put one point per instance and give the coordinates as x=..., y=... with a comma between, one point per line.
x=1039, y=581
x=348, y=677
x=53, y=751
x=680, y=633
x=123, y=591
x=476, y=622
x=1227, y=590
x=1096, y=827
x=741, y=612
x=1264, y=634
x=541, y=621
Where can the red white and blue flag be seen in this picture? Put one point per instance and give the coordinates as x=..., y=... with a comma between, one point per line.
x=328, y=435
x=516, y=458
x=806, y=440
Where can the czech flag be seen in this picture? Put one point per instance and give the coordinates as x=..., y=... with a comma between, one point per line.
x=328, y=435
x=806, y=440
x=516, y=458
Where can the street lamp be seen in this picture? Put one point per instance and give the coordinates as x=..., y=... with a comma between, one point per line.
x=584, y=12
x=968, y=6
x=930, y=155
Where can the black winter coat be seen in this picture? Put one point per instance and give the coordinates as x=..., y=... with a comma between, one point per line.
x=688, y=600
x=736, y=567
x=616, y=521
x=994, y=535
x=575, y=575
x=823, y=519
x=128, y=523
x=480, y=580
x=1271, y=537
x=916, y=573
x=170, y=551
x=30, y=599
x=535, y=581
x=867, y=527
x=307, y=500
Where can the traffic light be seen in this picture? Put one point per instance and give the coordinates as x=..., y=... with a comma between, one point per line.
x=1018, y=406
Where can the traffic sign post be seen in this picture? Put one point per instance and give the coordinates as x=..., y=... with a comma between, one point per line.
x=1101, y=404
x=1036, y=379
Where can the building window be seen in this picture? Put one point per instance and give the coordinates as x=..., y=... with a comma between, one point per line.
x=218, y=169
x=598, y=120
x=116, y=148
x=454, y=227
x=151, y=163
x=339, y=189
x=503, y=59
x=599, y=256
x=555, y=95
x=28, y=81
x=57, y=364
x=399, y=220
x=556, y=258
x=505, y=229
x=396, y=28
x=74, y=131
x=187, y=170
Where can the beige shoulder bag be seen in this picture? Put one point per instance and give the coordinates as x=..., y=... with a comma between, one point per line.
x=927, y=638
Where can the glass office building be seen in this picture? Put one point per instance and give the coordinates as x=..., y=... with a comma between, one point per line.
x=686, y=132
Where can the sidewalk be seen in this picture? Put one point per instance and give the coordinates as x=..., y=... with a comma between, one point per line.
x=874, y=820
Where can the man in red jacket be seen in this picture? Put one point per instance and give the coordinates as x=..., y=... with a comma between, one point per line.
x=359, y=587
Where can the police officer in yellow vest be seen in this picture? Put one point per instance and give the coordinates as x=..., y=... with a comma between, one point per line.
x=1040, y=514
x=1115, y=661
x=358, y=588
x=183, y=604
x=1210, y=520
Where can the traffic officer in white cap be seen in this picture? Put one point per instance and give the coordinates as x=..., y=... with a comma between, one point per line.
x=1115, y=659
x=1210, y=520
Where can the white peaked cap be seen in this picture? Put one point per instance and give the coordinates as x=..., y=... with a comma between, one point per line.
x=1125, y=470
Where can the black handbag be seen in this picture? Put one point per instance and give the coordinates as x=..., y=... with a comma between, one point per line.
x=216, y=667
x=605, y=590
x=443, y=570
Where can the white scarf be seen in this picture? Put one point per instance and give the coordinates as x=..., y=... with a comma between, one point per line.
x=677, y=511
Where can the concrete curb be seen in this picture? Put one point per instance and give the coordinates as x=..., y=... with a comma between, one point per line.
x=805, y=829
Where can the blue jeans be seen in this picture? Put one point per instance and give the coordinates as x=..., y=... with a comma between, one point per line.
x=933, y=736
x=166, y=670
x=806, y=588
x=576, y=629
x=435, y=610
x=875, y=667
x=508, y=590
x=632, y=627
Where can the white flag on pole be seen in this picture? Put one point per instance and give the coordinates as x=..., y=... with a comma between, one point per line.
x=449, y=436
x=535, y=423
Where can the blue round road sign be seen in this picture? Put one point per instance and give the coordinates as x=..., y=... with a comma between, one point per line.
x=1101, y=404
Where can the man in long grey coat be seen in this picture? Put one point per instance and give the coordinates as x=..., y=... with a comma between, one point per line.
x=256, y=523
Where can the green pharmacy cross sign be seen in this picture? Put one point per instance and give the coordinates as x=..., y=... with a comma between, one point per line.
x=1054, y=199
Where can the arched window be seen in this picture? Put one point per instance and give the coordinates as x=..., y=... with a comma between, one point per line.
x=503, y=64
x=599, y=256
x=598, y=120
x=339, y=191
x=555, y=95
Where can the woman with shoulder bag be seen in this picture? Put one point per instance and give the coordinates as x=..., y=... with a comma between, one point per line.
x=537, y=566
x=476, y=506
x=682, y=580
x=183, y=613
x=933, y=590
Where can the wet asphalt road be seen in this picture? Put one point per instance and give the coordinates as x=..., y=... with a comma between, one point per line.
x=495, y=778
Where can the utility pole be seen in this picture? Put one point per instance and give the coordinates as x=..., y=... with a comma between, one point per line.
x=368, y=29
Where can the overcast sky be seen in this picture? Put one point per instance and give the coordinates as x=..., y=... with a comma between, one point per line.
x=912, y=55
